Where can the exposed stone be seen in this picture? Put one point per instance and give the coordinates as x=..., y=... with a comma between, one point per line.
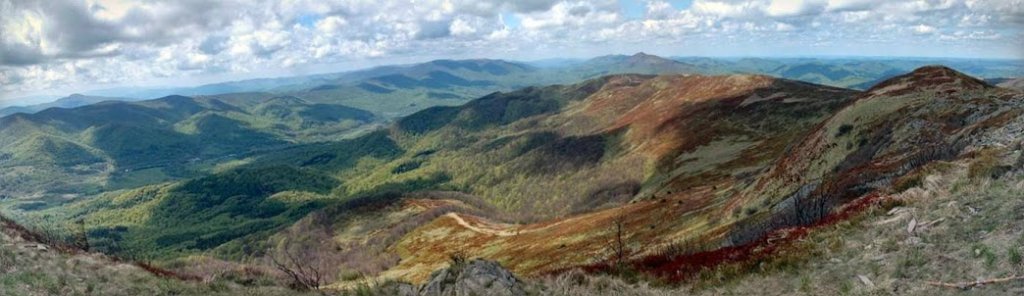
x=399, y=289
x=476, y=277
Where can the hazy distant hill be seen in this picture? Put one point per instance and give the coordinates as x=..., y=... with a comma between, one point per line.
x=397, y=90
x=74, y=100
x=640, y=63
x=856, y=73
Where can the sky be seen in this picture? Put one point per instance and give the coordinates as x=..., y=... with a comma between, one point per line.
x=55, y=47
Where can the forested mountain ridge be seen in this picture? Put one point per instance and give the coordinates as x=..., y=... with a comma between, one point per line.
x=117, y=144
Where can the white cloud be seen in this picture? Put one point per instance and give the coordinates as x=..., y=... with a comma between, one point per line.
x=575, y=14
x=924, y=29
x=658, y=10
x=331, y=24
x=737, y=9
x=46, y=45
x=852, y=5
x=788, y=8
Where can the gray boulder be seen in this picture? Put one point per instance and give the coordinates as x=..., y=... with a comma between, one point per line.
x=476, y=277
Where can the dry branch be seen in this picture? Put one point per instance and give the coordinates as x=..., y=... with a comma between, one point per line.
x=978, y=283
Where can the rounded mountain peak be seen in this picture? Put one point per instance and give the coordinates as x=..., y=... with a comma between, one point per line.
x=928, y=78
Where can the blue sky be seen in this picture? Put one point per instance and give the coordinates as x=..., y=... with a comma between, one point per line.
x=635, y=9
x=61, y=46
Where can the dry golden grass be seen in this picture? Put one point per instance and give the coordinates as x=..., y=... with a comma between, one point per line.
x=962, y=231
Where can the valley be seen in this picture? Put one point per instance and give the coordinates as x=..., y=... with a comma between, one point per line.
x=623, y=175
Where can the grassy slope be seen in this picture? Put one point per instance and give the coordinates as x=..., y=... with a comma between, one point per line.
x=26, y=270
x=931, y=114
x=704, y=216
x=961, y=235
x=967, y=229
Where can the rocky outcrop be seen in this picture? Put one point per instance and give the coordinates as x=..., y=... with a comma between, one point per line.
x=475, y=277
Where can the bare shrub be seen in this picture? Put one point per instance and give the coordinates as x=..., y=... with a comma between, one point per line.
x=211, y=270
x=7, y=259
x=617, y=250
x=308, y=261
x=44, y=233
x=81, y=236
x=458, y=259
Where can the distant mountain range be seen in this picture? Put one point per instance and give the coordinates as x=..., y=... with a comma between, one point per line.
x=109, y=135
x=856, y=73
x=74, y=100
x=640, y=63
x=392, y=91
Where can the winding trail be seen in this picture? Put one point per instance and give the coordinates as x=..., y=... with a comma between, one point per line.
x=503, y=229
x=462, y=222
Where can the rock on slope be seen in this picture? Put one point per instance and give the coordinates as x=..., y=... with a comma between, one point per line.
x=463, y=278
x=476, y=277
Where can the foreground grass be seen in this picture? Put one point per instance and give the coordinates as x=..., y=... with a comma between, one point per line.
x=28, y=269
x=951, y=229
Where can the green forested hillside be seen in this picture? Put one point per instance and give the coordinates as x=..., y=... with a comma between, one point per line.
x=115, y=145
x=169, y=220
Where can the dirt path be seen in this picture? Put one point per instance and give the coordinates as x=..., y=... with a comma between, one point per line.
x=465, y=224
x=506, y=229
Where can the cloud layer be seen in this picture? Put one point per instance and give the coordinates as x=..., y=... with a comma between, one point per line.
x=62, y=44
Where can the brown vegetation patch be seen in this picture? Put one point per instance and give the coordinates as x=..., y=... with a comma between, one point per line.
x=675, y=268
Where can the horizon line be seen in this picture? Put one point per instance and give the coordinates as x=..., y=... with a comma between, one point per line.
x=524, y=61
